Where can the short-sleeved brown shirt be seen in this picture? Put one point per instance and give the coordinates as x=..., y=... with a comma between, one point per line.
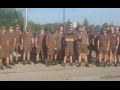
x=103, y=39
x=27, y=37
x=18, y=35
x=11, y=37
x=3, y=40
x=113, y=38
x=118, y=34
x=60, y=38
x=41, y=39
x=69, y=43
x=84, y=38
x=91, y=33
x=51, y=38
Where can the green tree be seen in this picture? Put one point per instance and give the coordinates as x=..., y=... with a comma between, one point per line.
x=86, y=23
x=104, y=25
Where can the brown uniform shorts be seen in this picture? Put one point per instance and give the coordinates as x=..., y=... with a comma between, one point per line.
x=69, y=51
x=113, y=49
x=27, y=48
x=59, y=47
x=103, y=50
x=82, y=49
x=16, y=47
x=51, y=51
x=11, y=49
x=39, y=50
x=4, y=52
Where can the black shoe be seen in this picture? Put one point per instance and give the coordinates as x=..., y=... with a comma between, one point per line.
x=28, y=62
x=9, y=67
x=12, y=64
x=48, y=64
x=109, y=64
x=104, y=65
x=24, y=63
x=1, y=68
x=51, y=63
x=71, y=64
x=116, y=65
x=86, y=65
x=39, y=61
x=16, y=62
x=79, y=65
x=118, y=62
x=63, y=64
x=43, y=62
x=36, y=62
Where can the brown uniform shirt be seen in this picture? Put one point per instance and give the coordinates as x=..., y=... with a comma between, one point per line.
x=18, y=35
x=27, y=37
x=103, y=39
x=91, y=33
x=113, y=38
x=84, y=38
x=118, y=35
x=41, y=39
x=51, y=39
x=11, y=37
x=69, y=43
x=60, y=38
x=3, y=40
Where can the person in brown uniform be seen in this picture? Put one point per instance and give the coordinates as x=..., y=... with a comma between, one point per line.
x=95, y=41
x=82, y=42
x=114, y=42
x=51, y=45
x=59, y=43
x=18, y=34
x=90, y=47
x=26, y=40
x=118, y=52
x=103, y=47
x=40, y=45
x=4, y=48
x=69, y=46
x=12, y=41
x=108, y=29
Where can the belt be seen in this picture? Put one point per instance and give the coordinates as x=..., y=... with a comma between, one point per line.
x=103, y=45
x=81, y=45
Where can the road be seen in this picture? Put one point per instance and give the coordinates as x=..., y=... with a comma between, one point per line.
x=40, y=72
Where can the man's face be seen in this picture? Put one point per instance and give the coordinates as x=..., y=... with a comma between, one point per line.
x=83, y=27
x=92, y=28
x=80, y=29
x=3, y=30
x=112, y=29
x=52, y=30
x=117, y=28
x=108, y=28
x=17, y=27
x=104, y=32
x=71, y=25
x=42, y=30
x=11, y=29
x=61, y=29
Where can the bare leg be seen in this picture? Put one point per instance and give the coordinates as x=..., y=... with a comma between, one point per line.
x=105, y=58
x=28, y=56
x=82, y=56
x=85, y=56
x=65, y=57
x=0, y=62
x=11, y=58
x=70, y=59
x=17, y=56
x=37, y=56
x=51, y=58
x=79, y=58
x=111, y=57
x=115, y=58
x=7, y=61
x=24, y=55
x=100, y=58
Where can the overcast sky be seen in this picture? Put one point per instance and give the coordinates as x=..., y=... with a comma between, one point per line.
x=50, y=15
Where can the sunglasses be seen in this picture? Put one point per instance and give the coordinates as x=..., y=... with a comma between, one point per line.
x=71, y=25
x=17, y=26
x=11, y=28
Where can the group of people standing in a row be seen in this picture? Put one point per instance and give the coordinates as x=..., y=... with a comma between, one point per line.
x=52, y=45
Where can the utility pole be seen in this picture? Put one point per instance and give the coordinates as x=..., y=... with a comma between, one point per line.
x=100, y=22
x=64, y=18
x=25, y=19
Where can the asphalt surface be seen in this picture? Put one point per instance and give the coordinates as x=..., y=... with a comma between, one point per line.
x=41, y=72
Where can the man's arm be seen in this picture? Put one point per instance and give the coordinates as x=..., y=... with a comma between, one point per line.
x=14, y=41
x=8, y=42
x=98, y=44
x=93, y=41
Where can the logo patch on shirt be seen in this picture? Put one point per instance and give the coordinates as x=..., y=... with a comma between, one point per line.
x=30, y=33
x=119, y=33
x=114, y=35
x=6, y=35
x=54, y=35
x=13, y=33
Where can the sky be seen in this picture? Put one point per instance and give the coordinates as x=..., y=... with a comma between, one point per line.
x=50, y=15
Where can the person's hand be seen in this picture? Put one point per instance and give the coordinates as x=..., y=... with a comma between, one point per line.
x=80, y=37
x=47, y=47
x=93, y=44
x=98, y=48
x=21, y=46
x=117, y=47
x=36, y=45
